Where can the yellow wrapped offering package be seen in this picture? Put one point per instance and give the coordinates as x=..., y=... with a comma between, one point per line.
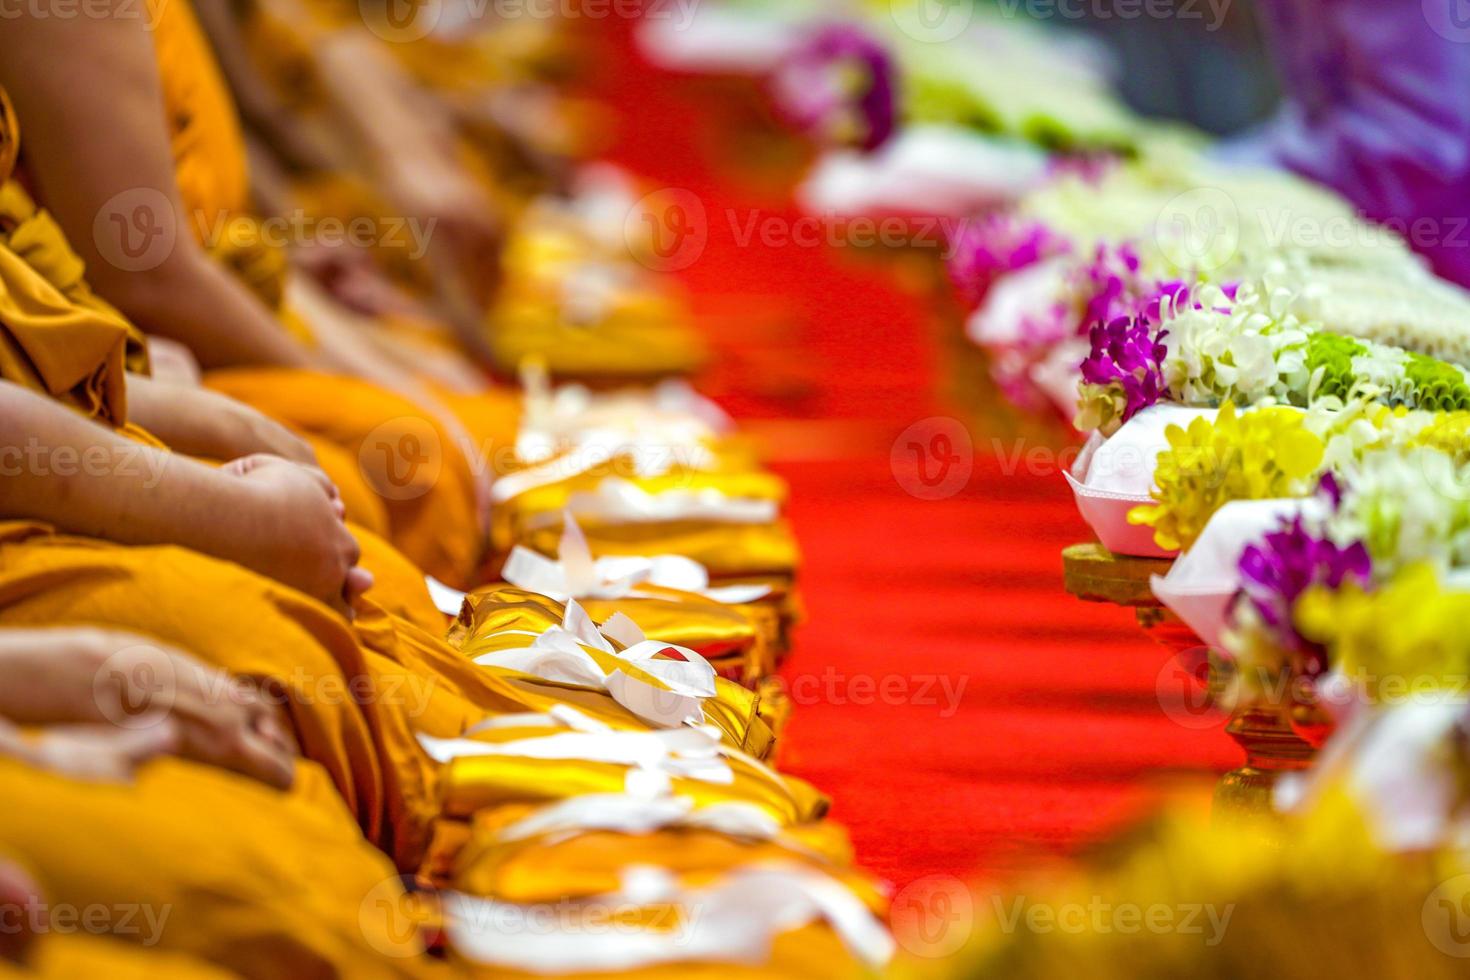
x=564, y=753
x=737, y=540
x=646, y=459
x=580, y=848
x=669, y=596
x=769, y=920
x=553, y=653
x=587, y=313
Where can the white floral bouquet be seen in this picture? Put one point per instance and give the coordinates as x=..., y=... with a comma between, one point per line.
x=1246, y=344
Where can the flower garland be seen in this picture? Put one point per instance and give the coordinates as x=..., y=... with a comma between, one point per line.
x=840, y=86
x=987, y=248
x=1406, y=505
x=1247, y=346
x=1283, y=566
x=1405, y=638
x=1331, y=592
x=1275, y=451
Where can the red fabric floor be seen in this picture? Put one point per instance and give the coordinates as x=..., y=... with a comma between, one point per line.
x=960, y=708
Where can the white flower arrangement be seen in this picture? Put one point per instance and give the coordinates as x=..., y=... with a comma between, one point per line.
x=1249, y=346
x=1406, y=505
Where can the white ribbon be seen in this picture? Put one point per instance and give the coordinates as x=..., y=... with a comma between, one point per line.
x=575, y=575
x=735, y=920
x=447, y=599
x=632, y=814
x=692, y=752
x=558, y=655
x=572, y=430
x=618, y=501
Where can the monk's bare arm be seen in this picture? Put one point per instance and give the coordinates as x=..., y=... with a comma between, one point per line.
x=64, y=469
x=88, y=93
x=260, y=106
x=275, y=517
x=205, y=423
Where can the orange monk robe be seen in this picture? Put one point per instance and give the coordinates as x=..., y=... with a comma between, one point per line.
x=215, y=867
x=353, y=710
x=67, y=956
x=57, y=338
x=423, y=477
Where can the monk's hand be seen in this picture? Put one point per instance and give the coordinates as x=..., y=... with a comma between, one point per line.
x=155, y=698
x=302, y=541
x=93, y=753
x=224, y=721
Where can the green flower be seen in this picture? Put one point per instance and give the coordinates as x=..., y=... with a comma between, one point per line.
x=1333, y=354
x=1437, y=385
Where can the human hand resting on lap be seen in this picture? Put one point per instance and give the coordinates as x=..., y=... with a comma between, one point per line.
x=298, y=535
x=112, y=700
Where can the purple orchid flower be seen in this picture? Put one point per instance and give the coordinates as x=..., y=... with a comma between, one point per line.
x=840, y=86
x=1284, y=565
x=1128, y=353
x=989, y=247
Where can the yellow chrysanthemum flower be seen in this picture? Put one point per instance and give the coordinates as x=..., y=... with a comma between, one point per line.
x=1402, y=640
x=1255, y=455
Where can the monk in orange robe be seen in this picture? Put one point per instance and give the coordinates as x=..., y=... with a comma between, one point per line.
x=156, y=203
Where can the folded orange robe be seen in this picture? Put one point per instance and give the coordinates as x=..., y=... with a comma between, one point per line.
x=355, y=712
x=213, y=866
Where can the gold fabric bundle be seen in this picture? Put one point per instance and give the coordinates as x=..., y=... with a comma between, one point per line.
x=527, y=770
x=585, y=316
x=500, y=618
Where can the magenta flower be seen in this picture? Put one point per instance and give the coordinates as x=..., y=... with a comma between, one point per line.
x=1113, y=288
x=987, y=248
x=1285, y=564
x=1129, y=355
x=839, y=86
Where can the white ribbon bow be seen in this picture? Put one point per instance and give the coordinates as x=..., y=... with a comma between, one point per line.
x=734, y=920
x=619, y=501
x=572, y=431
x=692, y=752
x=575, y=575
x=558, y=655
x=629, y=813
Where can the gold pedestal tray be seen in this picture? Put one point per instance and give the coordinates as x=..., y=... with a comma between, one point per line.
x=1265, y=733
x=1094, y=574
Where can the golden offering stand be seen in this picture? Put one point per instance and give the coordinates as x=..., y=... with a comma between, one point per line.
x=1272, y=743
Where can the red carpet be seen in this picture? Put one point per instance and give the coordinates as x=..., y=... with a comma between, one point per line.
x=956, y=703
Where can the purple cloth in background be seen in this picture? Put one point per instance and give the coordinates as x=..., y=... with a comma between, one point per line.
x=1377, y=106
